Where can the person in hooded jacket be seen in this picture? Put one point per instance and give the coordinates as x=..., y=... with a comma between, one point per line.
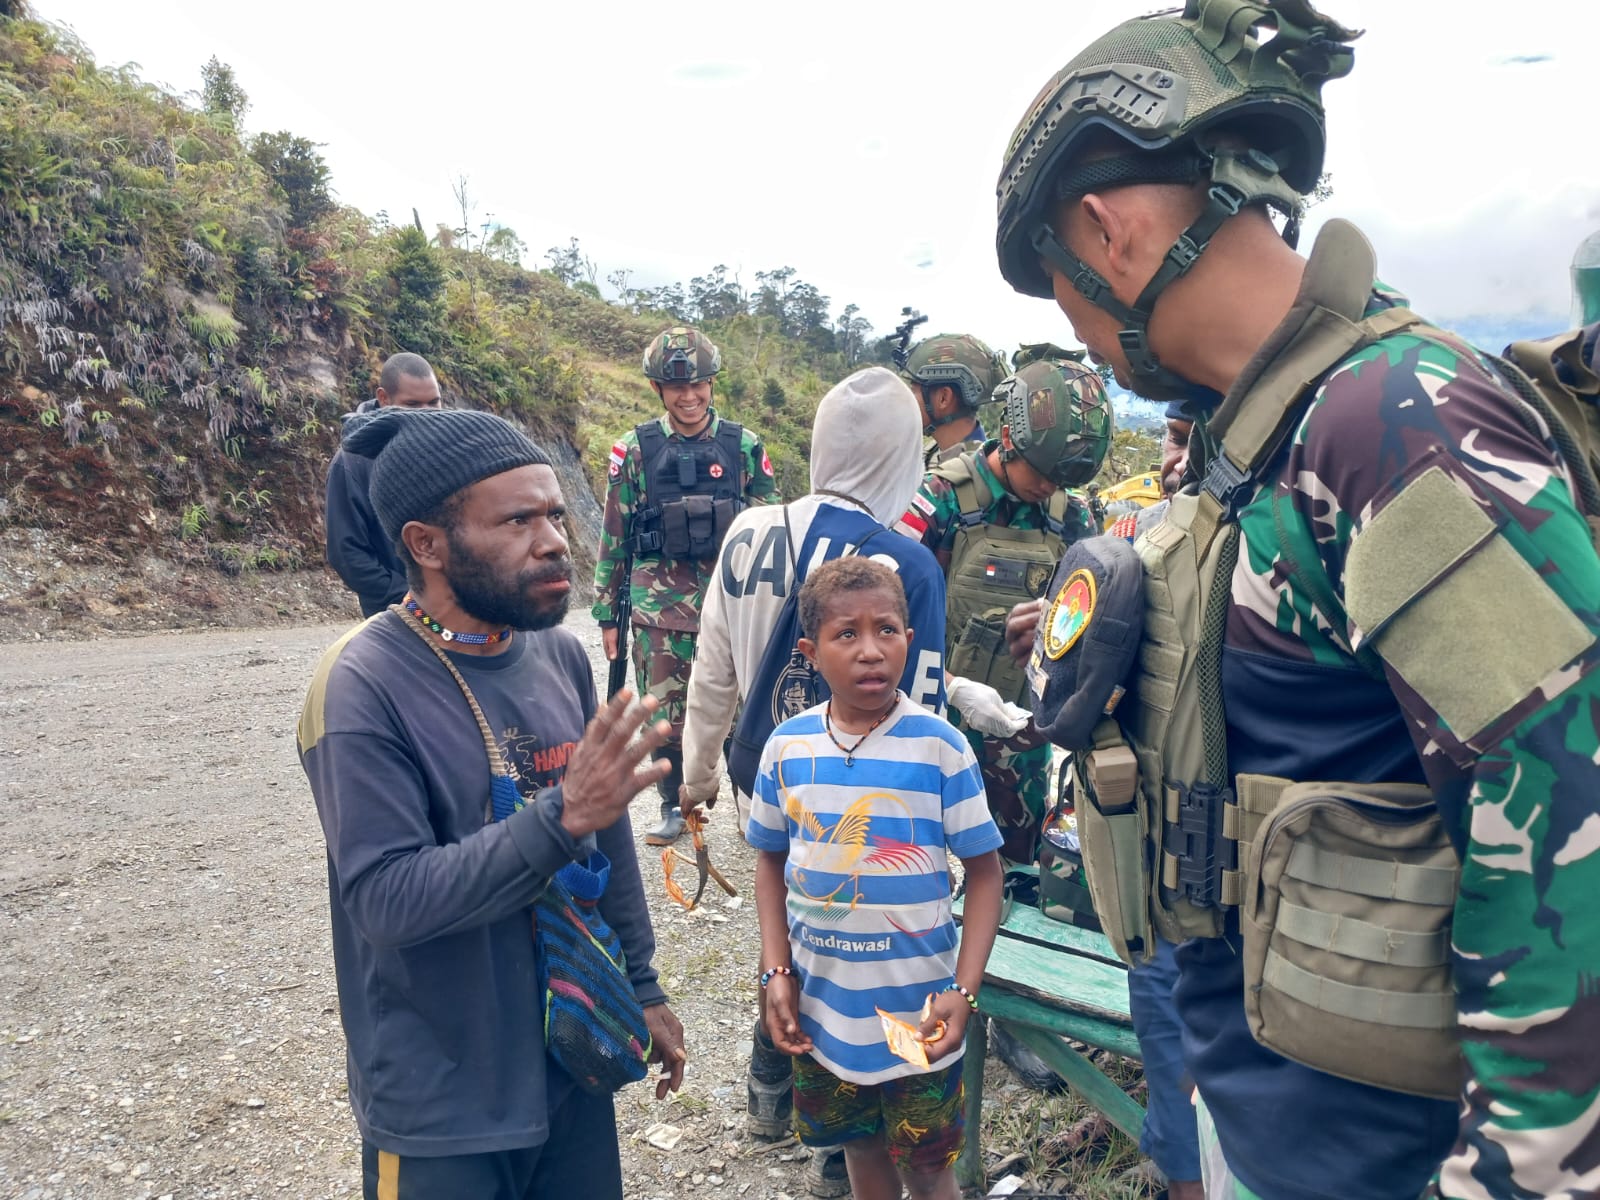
x=358, y=549
x=866, y=464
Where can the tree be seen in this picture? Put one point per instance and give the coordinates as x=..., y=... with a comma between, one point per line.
x=220, y=94
x=416, y=319
x=505, y=246
x=851, y=333
x=299, y=171
x=772, y=395
x=619, y=280
x=569, y=264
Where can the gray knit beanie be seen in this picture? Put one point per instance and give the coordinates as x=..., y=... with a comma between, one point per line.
x=422, y=457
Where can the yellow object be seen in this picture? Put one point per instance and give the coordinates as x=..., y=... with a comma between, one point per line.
x=1142, y=490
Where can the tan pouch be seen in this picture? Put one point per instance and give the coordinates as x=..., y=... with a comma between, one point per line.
x=1349, y=894
x=1113, y=832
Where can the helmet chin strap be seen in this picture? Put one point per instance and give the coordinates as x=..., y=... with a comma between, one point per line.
x=931, y=422
x=1236, y=180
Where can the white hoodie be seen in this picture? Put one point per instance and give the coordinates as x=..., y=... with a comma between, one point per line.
x=866, y=455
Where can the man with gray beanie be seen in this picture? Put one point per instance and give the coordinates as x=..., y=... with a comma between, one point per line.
x=430, y=885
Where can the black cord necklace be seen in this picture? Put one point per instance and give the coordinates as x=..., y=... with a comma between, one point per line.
x=850, y=751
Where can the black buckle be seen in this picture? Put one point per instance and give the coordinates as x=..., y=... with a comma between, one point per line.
x=1197, y=834
x=1136, y=346
x=1184, y=252
x=1226, y=198
x=1231, y=487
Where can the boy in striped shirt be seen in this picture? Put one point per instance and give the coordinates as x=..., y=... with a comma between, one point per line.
x=858, y=803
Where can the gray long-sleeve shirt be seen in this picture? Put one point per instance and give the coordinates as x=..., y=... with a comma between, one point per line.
x=430, y=902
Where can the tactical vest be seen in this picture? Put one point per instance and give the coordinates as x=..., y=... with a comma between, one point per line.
x=991, y=569
x=693, y=488
x=1344, y=891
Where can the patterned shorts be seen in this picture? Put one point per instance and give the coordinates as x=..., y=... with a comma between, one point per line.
x=1220, y=1182
x=919, y=1117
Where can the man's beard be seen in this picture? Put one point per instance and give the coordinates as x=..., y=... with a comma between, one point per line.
x=493, y=599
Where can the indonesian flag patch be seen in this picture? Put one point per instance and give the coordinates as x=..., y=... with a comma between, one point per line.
x=922, y=504
x=619, y=455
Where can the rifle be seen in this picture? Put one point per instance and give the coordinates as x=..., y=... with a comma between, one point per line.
x=617, y=679
x=902, y=335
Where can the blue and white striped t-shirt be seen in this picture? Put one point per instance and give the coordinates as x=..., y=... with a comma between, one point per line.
x=867, y=873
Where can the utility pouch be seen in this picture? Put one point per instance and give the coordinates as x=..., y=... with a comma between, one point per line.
x=980, y=653
x=701, y=521
x=1113, y=830
x=1349, y=893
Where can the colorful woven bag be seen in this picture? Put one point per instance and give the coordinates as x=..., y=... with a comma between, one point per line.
x=594, y=1026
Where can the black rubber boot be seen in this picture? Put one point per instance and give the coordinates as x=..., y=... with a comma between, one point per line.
x=671, y=827
x=769, y=1088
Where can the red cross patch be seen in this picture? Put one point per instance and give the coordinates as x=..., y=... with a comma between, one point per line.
x=715, y=471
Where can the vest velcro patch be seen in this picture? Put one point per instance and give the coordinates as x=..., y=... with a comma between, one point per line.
x=1070, y=613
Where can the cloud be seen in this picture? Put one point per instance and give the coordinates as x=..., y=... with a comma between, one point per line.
x=1510, y=254
x=1522, y=60
x=711, y=74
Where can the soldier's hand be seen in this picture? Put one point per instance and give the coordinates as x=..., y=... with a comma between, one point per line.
x=1020, y=627
x=611, y=640
x=604, y=774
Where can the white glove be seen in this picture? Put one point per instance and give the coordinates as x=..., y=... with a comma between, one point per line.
x=983, y=707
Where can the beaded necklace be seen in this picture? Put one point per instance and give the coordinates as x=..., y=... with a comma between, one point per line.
x=450, y=635
x=850, y=751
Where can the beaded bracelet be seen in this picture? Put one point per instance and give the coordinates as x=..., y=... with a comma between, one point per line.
x=766, y=976
x=972, y=1001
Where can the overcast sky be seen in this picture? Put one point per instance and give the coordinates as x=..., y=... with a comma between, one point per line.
x=859, y=143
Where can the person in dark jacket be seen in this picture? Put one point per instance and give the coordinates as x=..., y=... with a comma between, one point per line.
x=358, y=549
x=430, y=896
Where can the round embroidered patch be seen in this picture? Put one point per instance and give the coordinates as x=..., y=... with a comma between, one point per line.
x=716, y=471
x=1070, y=614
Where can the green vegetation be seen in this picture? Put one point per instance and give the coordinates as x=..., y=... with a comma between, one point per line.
x=185, y=310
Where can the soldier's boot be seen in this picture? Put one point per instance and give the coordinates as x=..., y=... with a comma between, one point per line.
x=769, y=1088
x=671, y=827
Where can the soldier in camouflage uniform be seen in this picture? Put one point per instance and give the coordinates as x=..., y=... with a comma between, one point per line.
x=997, y=518
x=951, y=375
x=1476, y=679
x=666, y=513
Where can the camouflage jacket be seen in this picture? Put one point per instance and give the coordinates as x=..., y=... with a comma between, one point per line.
x=932, y=517
x=667, y=593
x=1504, y=728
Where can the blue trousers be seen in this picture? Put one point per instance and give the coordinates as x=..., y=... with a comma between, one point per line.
x=1169, y=1136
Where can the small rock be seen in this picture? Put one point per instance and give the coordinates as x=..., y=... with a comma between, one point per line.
x=663, y=1136
x=698, y=1178
x=714, y=1180
x=255, y=1102
x=733, y=902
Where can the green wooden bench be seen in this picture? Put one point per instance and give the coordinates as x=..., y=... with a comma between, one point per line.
x=1046, y=979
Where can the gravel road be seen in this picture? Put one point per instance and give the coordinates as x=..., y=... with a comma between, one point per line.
x=168, y=1021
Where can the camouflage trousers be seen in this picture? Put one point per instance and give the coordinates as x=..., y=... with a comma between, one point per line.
x=1016, y=778
x=661, y=661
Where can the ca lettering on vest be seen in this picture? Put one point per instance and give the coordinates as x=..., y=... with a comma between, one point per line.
x=746, y=566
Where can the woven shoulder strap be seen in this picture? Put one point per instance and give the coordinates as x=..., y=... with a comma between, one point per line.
x=497, y=761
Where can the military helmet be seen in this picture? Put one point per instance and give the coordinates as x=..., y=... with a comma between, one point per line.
x=956, y=360
x=1033, y=351
x=1060, y=420
x=1171, y=98
x=1161, y=83
x=681, y=355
